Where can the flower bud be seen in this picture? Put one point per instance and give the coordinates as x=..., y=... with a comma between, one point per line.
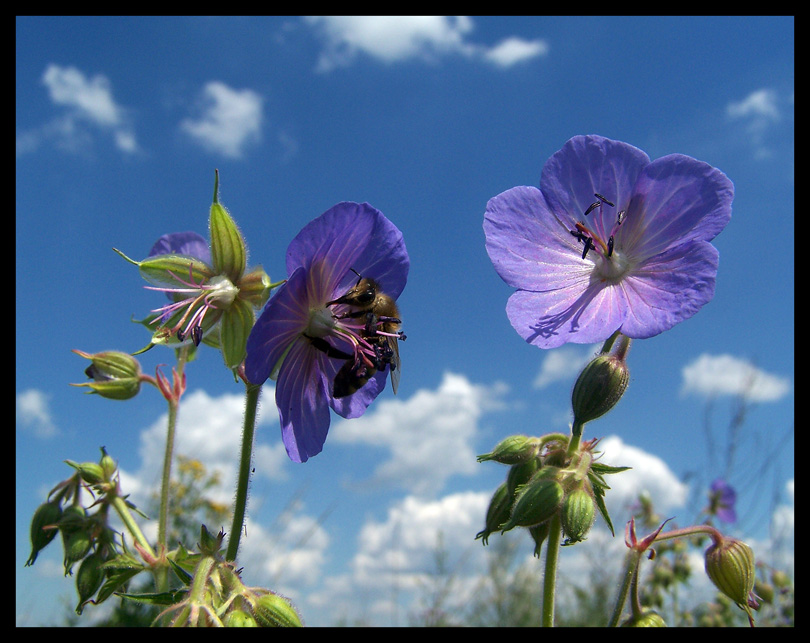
x=89, y=578
x=500, y=506
x=645, y=619
x=108, y=465
x=539, y=533
x=46, y=514
x=115, y=375
x=90, y=472
x=273, y=610
x=512, y=450
x=255, y=287
x=519, y=474
x=536, y=502
x=730, y=566
x=577, y=515
x=599, y=387
x=239, y=618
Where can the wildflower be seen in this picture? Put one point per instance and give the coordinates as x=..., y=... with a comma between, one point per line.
x=721, y=501
x=303, y=337
x=610, y=241
x=211, y=294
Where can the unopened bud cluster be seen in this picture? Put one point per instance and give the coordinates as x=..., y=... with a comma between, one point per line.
x=542, y=484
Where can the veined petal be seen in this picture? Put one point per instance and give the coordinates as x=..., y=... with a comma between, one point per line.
x=351, y=236
x=579, y=314
x=182, y=243
x=677, y=199
x=588, y=165
x=354, y=405
x=669, y=288
x=302, y=394
x=284, y=318
x=529, y=247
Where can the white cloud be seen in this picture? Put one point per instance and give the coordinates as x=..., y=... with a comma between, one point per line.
x=398, y=38
x=758, y=104
x=713, y=375
x=514, y=50
x=33, y=413
x=429, y=436
x=229, y=120
x=209, y=429
x=563, y=364
x=88, y=103
x=759, y=111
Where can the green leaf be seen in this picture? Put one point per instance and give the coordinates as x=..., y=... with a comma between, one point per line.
x=161, y=598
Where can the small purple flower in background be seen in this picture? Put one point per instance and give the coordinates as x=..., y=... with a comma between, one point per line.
x=610, y=241
x=304, y=338
x=722, y=498
x=182, y=243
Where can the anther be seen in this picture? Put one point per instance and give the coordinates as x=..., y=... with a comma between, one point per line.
x=603, y=199
x=592, y=207
x=620, y=218
x=610, y=247
x=578, y=234
x=196, y=335
x=588, y=246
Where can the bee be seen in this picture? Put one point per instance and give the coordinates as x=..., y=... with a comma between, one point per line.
x=381, y=331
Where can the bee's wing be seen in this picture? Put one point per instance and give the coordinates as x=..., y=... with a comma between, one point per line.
x=395, y=366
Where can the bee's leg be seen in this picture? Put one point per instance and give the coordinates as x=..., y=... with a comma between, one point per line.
x=325, y=347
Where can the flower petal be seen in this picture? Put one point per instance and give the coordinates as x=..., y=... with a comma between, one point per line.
x=578, y=314
x=280, y=324
x=302, y=400
x=529, y=247
x=182, y=243
x=587, y=165
x=350, y=236
x=676, y=199
x=669, y=288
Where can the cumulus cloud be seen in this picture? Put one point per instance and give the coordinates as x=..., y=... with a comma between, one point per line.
x=429, y=437
x=714, y=375
x=397, y=38
x=34, y=415
x=758, y=112
x=87, y=106
x=562, y=364
x=229, y=120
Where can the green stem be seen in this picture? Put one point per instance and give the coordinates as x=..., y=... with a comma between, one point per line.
x=123, y=511
x=550, y=575
x=576, y=437
x=631, y=566
x=251, y=403
x=609, y=343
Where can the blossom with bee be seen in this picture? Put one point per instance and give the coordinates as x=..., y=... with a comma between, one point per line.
x=610, y=241
x=305, y=335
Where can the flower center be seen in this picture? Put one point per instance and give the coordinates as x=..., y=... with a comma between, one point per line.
x=610, y=263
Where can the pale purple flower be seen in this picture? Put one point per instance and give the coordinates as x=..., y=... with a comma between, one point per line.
x=610, y=241
x=323, y=262
x=722, y=499
x=182, y=243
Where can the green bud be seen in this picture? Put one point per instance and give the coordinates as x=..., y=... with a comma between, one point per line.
x=90, y=472
x=115, y=375
x=730, y=566
x=764, y=590
x=599, y=387
x=780, y=579
x=89, y=578
x=536, y=502
x=645, y=619
x=255, y=287
x=520, y=474
x=108, y=465
x=228, y=251
x=539, y=533
x=77, y=545
x=577, y=515
x=237, y=322
x=273, y=610
x=500, y=506
x=512, y=450
x=239, y=618
x=46, y=514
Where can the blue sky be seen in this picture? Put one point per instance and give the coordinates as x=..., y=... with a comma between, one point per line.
x=120, y=125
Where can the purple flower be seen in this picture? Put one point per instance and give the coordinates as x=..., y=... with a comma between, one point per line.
x=182, y=243
x=611, y=241
x=301, y=323
x=722, y=498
